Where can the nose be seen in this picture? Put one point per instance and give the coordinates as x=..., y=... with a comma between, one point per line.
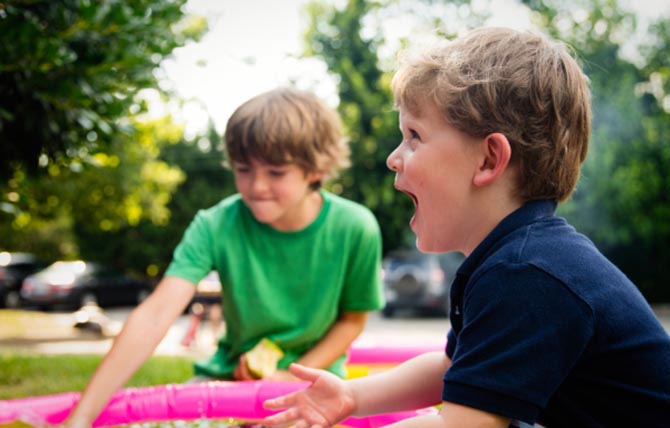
x=393, y=161
x=259, y=183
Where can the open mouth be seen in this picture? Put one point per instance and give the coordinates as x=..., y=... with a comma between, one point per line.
x=414, y=198
x=410, y=194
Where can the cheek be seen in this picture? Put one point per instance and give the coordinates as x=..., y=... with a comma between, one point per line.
x=239, y=181
x=242, y=183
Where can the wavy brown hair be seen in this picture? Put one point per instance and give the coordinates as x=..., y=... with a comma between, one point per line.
x=518, y=83
x=288, y=126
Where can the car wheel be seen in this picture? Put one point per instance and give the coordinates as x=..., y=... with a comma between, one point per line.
x=12, y=299
x=88, y=298
x=142, y=296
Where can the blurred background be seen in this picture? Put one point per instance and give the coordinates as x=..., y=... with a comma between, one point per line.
x=111, y=114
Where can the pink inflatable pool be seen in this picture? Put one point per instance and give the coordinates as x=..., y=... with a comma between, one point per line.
x=243, y=400
x=369, y=356
x=213, y=400
x=376, y=351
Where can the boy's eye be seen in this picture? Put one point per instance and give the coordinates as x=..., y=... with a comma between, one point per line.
x=241, y=169
x=413, y=134
x=277, y=172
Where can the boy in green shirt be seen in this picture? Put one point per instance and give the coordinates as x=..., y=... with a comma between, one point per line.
x=298, y=265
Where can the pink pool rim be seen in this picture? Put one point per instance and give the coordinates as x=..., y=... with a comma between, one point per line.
x=211, y=400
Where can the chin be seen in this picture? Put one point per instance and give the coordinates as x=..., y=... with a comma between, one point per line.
x=431, y=247
x=424, y=247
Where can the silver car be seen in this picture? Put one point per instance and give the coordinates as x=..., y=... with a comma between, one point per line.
x=418, y=282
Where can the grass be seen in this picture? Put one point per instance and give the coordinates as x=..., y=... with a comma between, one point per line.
x=23, y=375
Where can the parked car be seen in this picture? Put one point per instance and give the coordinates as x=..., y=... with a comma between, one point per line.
x=74, y=284
x=418, y=282
x=14, y=268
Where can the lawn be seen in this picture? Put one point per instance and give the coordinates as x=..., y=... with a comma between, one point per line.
x=23, y=375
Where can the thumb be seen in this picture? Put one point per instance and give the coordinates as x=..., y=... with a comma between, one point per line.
x=304, y=372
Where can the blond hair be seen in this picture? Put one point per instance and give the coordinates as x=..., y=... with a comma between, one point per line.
x=518, y=83
x=288, y=126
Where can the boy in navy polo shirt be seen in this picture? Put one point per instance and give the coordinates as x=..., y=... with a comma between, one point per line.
x=545, y=329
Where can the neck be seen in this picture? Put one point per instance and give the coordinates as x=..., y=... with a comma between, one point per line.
x=303, y=215
x=494, y=207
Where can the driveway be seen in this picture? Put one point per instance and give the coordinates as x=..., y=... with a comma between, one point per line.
x=55, y=332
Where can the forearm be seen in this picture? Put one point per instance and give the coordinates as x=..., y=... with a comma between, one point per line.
x=413, y=384
x=336, y=341
x=141, y=333
x=453, y=415
x=130, y=349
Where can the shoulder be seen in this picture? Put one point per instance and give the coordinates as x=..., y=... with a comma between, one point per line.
x=347, y=218
x=550, y=245
x=549, y=261
x=340, y=207
x=224, y=208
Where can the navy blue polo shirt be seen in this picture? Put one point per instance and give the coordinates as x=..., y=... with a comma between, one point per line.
x=545, y=329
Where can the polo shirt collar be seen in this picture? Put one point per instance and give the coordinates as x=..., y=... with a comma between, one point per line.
x=526, y=214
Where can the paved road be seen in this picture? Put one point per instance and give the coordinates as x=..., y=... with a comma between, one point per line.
x=407, y=330
x=60, y=337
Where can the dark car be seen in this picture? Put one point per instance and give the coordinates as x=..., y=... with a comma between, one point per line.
x=418, y=282
x=14, y=268
x=76, y=283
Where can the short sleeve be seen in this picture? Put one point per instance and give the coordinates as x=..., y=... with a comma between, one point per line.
x=192, y=259
x=522, y=333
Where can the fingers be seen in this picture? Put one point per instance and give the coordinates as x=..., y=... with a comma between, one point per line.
x=241, y=371
x=304, y=373
x=297, y=419
x=283, y=375
x=280, y=402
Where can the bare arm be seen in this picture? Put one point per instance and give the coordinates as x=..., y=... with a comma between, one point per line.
x=332, y=345
x=414, y=384
x=336, y=341
x=142, y=332
x=417, y=384
x=455, y=416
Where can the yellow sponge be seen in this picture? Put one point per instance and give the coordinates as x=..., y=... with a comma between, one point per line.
x=263, y=358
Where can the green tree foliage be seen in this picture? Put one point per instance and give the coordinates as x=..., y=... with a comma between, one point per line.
x=366, y=107
x=206, y=183
x=80, y=171
x=67, y=212
x=197, y=179
x=70, y=70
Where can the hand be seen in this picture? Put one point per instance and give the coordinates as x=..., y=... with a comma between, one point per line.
x=282, y=376
x=242, y=371
x=327, y=401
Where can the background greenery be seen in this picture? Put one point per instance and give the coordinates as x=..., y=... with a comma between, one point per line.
x=25, y=375
x=84, y=172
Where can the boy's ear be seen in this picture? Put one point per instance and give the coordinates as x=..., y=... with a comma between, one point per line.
x=313, y=177
x=496, y=154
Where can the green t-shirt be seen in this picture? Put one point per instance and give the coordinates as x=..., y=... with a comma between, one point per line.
x=287, y=286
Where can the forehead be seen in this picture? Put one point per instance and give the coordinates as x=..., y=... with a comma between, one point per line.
x=261, y=164
x=423, y=113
